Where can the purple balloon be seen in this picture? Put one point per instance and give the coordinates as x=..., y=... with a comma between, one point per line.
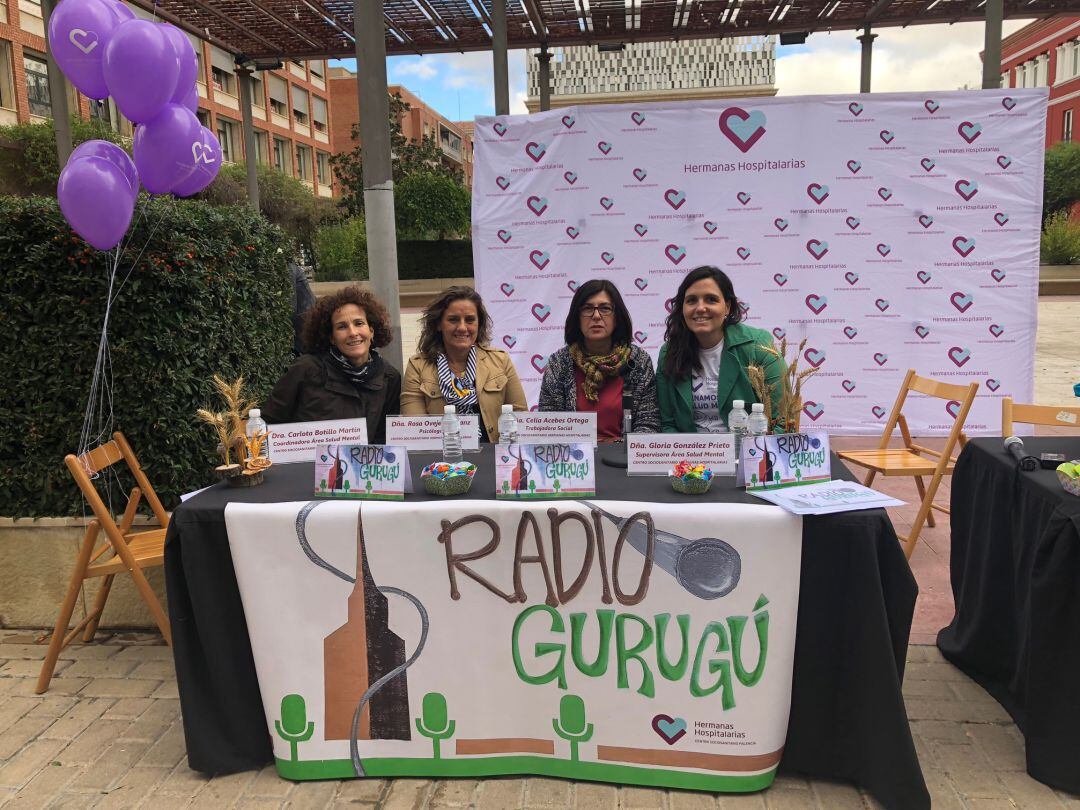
x=79, y=32
x=207, y=156
x=95, y=199
x=112, y=153
x=166, y=148
x=190, y=99
x=122, y=12
x=141, y=68
x=189, y=65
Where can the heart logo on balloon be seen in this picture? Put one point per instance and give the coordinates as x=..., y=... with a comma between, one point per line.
x=85, y=41
x=202, y=153
x=742, y=128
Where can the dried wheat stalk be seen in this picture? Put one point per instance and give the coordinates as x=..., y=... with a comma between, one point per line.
x=217, y=421
x=790, y=385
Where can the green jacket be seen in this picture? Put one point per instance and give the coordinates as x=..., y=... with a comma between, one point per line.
x=741, y=348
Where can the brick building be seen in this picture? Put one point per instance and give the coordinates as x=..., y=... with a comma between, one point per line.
x=1046, y=53
x=419, y=122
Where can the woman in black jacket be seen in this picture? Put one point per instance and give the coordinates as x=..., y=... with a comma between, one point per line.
x=342, y=375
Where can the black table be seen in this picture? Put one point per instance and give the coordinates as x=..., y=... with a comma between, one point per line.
x=856, y=600
x=1016, y=582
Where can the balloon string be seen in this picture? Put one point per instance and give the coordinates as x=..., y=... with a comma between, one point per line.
x=135, y=263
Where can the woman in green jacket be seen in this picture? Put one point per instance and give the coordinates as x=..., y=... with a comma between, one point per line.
x=702, y=365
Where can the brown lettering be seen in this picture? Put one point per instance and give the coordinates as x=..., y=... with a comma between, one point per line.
x=520, y=559
x=556, y=520
x=454, y=562
x=646, y=568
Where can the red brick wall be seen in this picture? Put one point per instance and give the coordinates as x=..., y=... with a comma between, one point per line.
x=1043, y=37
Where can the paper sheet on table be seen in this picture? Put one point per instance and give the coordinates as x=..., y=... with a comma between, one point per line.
x=826, y=498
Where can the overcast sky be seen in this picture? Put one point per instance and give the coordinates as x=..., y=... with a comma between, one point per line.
x=922, y=57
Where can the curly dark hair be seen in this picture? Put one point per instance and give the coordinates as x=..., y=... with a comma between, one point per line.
x=430, y=344
x=682, y=345
x=318, y=320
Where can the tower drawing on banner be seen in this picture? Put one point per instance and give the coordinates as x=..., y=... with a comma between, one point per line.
x=893, y=231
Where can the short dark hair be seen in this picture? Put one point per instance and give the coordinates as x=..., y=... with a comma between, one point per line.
x=624, y=327
x=318, y=320
x=682, y=345
x=430, y=344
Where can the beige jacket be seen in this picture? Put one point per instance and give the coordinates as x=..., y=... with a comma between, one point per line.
x=496, y=381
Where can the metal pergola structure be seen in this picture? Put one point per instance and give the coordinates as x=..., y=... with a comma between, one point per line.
x=260, y=31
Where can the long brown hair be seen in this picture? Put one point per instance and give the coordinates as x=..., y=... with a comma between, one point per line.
x=682, y=345
x=430, y=344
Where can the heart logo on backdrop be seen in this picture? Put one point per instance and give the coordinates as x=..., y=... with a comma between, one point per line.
x=878, y=411
x=507, y=289
x=886, y=136
x=817, y=192
x=640, y=174
x=742, y=128
x=851, y=332
x=502, y=182
x=881, y=358
x=996, y=330
x=816, y=303
x=931, y=106
x=510, y=341
x=855, y=108
x=85, y=41
x=709, y=226
x=997, y=275
x=640, y=229
x=882, y=304
x=952, y=408
x=853, y=223
x=849, y=386
x=637, y=118
x=779, y=333
x=1001, y=218
x=538, y=205
x=923, y=276
x=505, y=236
x=813, y=410
x=963, y=245
x=573, y=232
x=541, y=312
x=817, y=248
x=883, y=249
x=959, y=356
x=202, y=153
x=1004, y=161
x=539, y=258
x=814, y=357
x=961, y=300
x=969, y=131
x=674, y=198
x=993, y=384
x=606, y=203
x=670, y=729
x=675, y=253
x=604, y=147
x=780, y=279
x=926, y=220
x=743, y=197
x=921, y=331
x=851, y=277
x=884, y=193
x=744, y=253
x=536, y=150
x=641, y=283
x=1008, y=102
x=570, y=177
x=640, y=336
x=568, y=121
x=780, y=224
x=539, y=362
x=854, y=166
x=966, y=189
x=928, y=164
x=607, y=257
x=572, y=285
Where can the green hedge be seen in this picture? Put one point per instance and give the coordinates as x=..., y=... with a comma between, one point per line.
x=209, y=294
x=443, y=258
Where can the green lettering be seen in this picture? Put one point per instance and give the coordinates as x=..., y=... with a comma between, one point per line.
x=737, y=624
x=625, y=653
x=727, y=695
x=604, y=619
x=557, y=672
x=672, y=672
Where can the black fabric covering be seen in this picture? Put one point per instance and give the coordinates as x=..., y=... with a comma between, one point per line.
x=856, y=601
x=1016, y=582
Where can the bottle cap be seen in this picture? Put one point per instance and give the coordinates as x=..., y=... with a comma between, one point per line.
x=508, y=408
x=738, y=403
x=449, y=409
x=757, y=407
x=254, y=413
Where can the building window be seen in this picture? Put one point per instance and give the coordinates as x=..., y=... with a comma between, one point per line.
x=204, y=118
x=322, y=166
x=100, y=111
x=224, y=82
x=37, y=85
x=281, y=154
x=7, y=77
x=261, y=148
x=303, y=162
x=1066, y=126
x=226, y=133
x=300, y=106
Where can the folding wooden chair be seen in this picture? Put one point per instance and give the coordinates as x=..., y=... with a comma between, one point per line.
x=131, y=551
x=1036, y=415
x=914, y=460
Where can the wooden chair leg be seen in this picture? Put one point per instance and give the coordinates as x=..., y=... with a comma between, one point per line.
x=922, y=497
x=924, y=510
x=869, y=480
x=99, y=607
x=67, y=607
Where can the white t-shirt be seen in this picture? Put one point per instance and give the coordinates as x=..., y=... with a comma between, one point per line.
x=703, y=384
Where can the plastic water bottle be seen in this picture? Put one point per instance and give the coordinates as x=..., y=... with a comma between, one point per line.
x=736, y=423
x=256, y=426
x=451, y=435
x=508, y=426
x=757, y=424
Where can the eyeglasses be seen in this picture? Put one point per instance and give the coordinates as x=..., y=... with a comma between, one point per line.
x=603, y=310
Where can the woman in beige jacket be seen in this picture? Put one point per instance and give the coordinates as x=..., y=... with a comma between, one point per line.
x=455, y=366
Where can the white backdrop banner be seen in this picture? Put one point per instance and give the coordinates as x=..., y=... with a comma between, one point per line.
x=892, y=231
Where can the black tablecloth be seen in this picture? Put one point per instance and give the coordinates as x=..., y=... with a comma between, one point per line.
x=1016, y=582
x=856, y=600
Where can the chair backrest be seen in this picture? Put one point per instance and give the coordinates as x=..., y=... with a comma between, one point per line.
x=963, y=395
x=1026, y=414
x=84, y=466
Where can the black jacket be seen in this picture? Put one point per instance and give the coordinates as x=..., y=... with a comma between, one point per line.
x=315, y=389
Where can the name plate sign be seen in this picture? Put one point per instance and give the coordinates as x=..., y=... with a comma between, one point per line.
x=657, y=453
x=544, y=471
x=558, y=427
x=372, y=471
x=786, y=460
x=291, y=442
x=421, y=433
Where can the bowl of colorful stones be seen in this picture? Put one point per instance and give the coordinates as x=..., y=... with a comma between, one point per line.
x=443, y=478
x=690, y=479
x=1069, y=476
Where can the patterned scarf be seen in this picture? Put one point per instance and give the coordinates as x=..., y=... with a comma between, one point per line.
x=596, y=367
x=358, y=375
x=458, y=391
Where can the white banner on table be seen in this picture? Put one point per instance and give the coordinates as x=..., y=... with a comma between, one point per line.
x=826, y=497
x=539, y=655
x=424, y=433
x=657, y=453
x=556, y=427
x=292, y=442
x=891, y=231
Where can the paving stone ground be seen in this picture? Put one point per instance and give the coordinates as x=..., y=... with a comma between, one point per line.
x=108, y=734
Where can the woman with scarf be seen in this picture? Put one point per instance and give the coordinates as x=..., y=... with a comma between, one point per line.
x=341, y=376
x=455, y=366
x=599, y=366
